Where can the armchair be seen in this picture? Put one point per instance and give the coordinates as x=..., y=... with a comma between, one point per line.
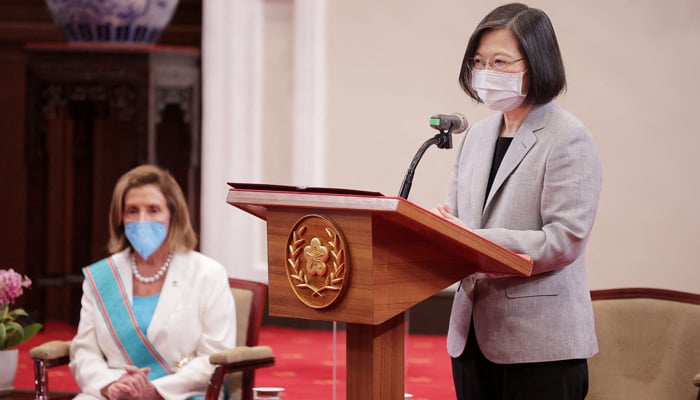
x=648, y=345
x=236, y=366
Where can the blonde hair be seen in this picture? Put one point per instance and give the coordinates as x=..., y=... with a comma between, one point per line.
x=181, y=236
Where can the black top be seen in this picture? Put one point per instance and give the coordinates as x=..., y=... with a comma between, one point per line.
x=502, y=145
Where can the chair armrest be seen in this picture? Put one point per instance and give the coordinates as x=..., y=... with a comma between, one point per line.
x=696, y=380
x=45, y=356
x=51, y=351
x=242, y=355
x=240, y=358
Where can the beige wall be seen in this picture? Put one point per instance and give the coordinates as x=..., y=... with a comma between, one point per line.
x=631, y=71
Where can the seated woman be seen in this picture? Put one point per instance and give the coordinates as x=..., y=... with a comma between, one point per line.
x=153, y=311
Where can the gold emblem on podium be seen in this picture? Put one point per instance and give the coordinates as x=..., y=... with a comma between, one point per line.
x=317, y=266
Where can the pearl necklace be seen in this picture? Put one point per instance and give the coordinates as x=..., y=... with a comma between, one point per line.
x=152, y=278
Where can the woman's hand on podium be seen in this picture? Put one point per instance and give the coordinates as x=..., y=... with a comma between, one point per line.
x=443, y=210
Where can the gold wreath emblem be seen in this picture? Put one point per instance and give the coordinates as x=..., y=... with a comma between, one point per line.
x=316, y=261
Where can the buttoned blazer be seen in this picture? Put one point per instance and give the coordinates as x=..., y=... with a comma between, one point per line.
x=195, y=316
x=543, y=203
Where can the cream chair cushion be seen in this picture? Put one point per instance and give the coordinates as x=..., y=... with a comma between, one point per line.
x=243, y=299
x=648, y=350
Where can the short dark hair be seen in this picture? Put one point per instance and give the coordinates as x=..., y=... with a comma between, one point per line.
x=181, y=236
x=538, y=43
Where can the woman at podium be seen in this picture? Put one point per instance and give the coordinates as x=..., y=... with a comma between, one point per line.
x=527, y=178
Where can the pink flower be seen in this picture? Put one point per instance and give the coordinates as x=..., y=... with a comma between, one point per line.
x=12, y=331
x=11, y=286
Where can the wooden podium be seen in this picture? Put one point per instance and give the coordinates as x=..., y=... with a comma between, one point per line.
x=363, y=259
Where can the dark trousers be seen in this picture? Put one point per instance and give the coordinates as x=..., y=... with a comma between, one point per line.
x=477, y=378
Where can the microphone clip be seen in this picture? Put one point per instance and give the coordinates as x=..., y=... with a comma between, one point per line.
x=443, y=140
x=446, y=125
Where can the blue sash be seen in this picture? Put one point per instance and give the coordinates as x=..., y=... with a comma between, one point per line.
x=107, y=287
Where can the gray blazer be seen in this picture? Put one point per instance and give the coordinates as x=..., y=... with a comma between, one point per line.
x=543, y=202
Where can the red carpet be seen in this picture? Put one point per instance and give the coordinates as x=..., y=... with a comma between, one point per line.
x=304, y=364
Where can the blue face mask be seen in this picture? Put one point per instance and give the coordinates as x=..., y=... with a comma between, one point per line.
x=145, y=237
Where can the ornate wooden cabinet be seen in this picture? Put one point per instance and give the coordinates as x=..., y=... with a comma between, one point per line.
x=93, y=112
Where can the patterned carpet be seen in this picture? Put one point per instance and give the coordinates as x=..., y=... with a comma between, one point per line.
x=304, y=364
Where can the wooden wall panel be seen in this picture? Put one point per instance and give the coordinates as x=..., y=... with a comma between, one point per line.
x=21, y=22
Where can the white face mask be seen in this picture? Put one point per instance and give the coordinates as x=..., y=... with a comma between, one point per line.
x=500, y=91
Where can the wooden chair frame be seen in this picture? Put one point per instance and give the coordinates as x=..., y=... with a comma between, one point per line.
x=650, y=293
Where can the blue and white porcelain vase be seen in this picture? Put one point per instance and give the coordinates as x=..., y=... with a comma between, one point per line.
x=129, y=21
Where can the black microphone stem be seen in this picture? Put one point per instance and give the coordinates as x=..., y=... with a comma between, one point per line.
x=443, y=140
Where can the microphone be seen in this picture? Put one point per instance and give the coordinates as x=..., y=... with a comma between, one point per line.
x=447, y=124
x=454, y=123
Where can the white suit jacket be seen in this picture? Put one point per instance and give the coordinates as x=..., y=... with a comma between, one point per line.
x=195, y=316
x=543, y=202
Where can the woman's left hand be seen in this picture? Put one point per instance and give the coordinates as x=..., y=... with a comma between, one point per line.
x=136, y=379
x=443, y=210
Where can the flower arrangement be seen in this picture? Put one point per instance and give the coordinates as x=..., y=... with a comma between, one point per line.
x=12, y=333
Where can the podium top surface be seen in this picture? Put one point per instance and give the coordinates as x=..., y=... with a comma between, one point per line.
x=257, y=198
x=267, y=187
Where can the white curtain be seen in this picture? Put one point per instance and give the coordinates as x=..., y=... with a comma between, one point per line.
x=232, y=114
x=230, y=131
